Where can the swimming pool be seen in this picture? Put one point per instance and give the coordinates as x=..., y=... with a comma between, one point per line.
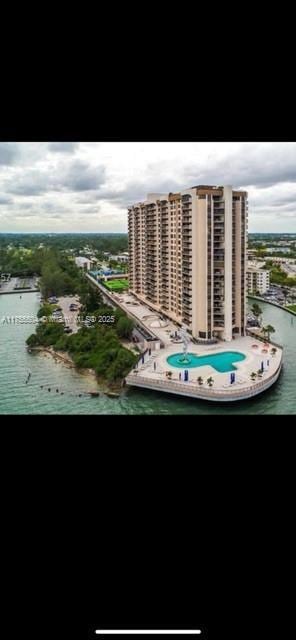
x=221, y=362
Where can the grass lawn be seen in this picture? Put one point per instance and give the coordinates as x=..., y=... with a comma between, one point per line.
x=116, y=285
x=292, y=307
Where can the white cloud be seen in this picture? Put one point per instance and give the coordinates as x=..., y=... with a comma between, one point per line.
x=87, y=186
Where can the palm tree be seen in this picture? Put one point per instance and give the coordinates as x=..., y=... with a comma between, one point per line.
x=257, y=311
x=210, y=381
x=268, y=330
x=200, y=380
x=273, y=351
x=253, y=376
x=259, y=373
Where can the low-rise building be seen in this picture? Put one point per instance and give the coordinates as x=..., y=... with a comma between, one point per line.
x=278, y=249
x=122, y=257
x=258, y=280
x=281, y=260
x=83, y=263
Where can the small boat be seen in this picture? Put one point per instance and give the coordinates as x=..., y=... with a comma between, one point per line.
x=112, y=394
x=94, y=394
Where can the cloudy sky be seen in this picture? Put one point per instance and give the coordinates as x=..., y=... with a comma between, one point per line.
x=86, y=187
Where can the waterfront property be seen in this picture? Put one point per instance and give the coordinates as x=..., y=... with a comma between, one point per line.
x=212, y=373
x=258, y=280
x=33, y=398
x=188, y=258
x=188, y=264
x=157, y=372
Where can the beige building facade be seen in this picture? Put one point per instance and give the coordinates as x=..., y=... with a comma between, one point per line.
x=187, y=258
x=258, y=280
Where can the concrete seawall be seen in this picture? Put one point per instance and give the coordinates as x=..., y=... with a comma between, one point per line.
x=20, y=291
x=199, y=393
x=274, y=304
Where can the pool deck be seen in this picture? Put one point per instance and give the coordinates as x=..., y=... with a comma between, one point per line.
x=146, y=376
x=222, y=390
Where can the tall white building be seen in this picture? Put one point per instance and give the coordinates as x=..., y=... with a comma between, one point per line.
x=187, y=258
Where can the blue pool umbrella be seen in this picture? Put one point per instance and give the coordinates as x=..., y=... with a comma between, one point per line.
x=232, y=378
x=262, y=366
x=268, y=363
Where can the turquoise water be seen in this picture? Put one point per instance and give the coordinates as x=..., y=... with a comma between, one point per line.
x=17, y=397
x=221, y=362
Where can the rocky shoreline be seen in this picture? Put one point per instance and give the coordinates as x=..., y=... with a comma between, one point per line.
x=66, y=360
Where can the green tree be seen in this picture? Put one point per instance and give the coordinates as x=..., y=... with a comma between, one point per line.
x=46, y=310
x=124, y=327
x=90, y=299
x=268, y=330
x=32, y=340
x=256, y=310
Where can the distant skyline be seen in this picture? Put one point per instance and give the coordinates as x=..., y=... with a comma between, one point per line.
x=86, y=187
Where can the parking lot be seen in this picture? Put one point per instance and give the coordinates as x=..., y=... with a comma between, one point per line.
x=70, y=317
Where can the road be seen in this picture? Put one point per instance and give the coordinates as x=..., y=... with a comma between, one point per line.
x=70, y=316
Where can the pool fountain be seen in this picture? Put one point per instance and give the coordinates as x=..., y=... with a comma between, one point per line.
x=185, y=358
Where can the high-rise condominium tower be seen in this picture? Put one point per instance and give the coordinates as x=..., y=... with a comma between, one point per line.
x=187, y=258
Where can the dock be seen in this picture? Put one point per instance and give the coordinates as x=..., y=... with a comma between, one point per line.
x=14, y=285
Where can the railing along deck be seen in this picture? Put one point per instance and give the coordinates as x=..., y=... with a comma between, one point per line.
x=199, y=391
